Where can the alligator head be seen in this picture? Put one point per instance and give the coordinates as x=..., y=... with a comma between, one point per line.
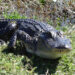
x=53, y=44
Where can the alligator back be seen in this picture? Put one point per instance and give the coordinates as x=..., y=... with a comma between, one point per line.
x=6, y=28
x=3, y=25
x=33, y=27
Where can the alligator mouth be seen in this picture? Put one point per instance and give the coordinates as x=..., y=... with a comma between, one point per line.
x=62, y=51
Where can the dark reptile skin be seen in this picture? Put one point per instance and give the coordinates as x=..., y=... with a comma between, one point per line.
x=27, y=29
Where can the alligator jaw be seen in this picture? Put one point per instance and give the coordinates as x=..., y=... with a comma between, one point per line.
x=62, y=51
x=52, y=54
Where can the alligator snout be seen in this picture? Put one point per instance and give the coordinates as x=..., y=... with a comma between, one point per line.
x=64, y=49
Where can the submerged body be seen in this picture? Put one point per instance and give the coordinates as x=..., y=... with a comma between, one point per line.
x=39, y=38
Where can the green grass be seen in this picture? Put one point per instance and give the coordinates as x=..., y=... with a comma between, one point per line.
x=42, y=1
x=13, y=15
x=19, y=62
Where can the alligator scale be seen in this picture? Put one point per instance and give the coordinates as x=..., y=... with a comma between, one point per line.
x=39, y=38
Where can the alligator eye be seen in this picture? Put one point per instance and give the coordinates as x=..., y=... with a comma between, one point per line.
x=48, y=35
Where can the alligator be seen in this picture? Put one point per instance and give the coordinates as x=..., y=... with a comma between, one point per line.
x=39, y=38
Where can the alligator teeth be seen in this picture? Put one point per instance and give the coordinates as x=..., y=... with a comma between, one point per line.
x=60, y=51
